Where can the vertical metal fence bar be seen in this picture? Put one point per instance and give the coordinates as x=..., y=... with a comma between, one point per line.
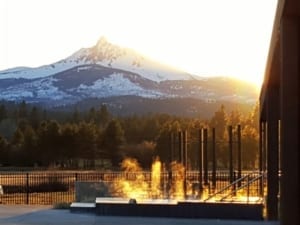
x=200, y=163
x=205, y=157
x=214, y=162
x=239, y=156
x=248, y=189
x=230, y=154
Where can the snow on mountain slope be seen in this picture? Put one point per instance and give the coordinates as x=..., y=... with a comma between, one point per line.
x=37, y=89
x=104, y=54
x=78, y=83
x=42, y=71
x=115, y=85
x=16, y=69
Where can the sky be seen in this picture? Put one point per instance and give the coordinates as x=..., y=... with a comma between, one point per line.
x=202, y=37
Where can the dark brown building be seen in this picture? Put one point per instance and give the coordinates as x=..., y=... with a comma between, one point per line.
x=280, y=114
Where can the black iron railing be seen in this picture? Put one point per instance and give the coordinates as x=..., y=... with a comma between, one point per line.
x=47, y=187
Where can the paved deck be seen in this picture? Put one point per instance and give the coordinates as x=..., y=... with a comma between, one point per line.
x=44, y=215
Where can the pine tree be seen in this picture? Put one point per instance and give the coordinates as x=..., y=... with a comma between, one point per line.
x=103, y=116
x=3, y=151
x=249, y=147
x=163, y=140
x=91, y=117
x=76, y=116
x=219, y=122
x=3, y=112
x=113, y=138
x=29, y=147
x=86, y=140
x=235, y=118
x=22, y=111
x=49, y=146
x=34, y=117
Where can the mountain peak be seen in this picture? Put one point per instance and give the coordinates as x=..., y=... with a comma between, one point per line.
x=102, y=42
x=104, y=51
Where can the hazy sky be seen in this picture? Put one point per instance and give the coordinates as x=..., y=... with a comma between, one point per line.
x=204, y=37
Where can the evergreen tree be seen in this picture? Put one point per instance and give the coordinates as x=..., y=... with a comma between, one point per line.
x=29, y=147
x=75, y=116
x=150, y=129
x=3, y=112
x=254, y=117
x=103, y=116
x=44, y=115
x=91, y=117
x=34, y=117
x=69, y=140
x=250, y=138
x=219, y=122
x=7, y=128
x=49, y=145
x=17, y=139
x=3, y=151
x=113, y=138
x=86, y=140
x=249, y=147
x=22, y=111
x=163, y=140
x=235, y=118
x=23, y=124
x=16, y=145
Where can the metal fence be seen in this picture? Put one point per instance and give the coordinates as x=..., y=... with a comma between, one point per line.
x=48, y=188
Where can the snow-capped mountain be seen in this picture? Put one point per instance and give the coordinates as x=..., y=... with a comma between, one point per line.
x=106, y=70
x=103, y=54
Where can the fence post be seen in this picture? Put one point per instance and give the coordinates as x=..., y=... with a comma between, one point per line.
x=248, y=189
x=200, y=165
x=27, y=188
x=180, y=147
x=184, y=161
x=261, y=171
x=214, y=163
x=205, y=157
x=239, y=156
x=230, y=154
x=171, y=158
x=234, y=186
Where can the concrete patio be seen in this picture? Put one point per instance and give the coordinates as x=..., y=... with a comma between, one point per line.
x=45, y=215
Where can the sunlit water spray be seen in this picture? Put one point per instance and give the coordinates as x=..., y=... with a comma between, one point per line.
x=177, y=186
x=156, y=191
x=136, y=184
x=133, y=184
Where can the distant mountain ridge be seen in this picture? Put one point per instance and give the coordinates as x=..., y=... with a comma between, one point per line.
x=106, y=70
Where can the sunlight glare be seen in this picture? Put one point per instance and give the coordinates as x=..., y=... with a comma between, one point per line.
x=205, y=38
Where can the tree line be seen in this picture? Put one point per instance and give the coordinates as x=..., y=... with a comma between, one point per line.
x=32, y=136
